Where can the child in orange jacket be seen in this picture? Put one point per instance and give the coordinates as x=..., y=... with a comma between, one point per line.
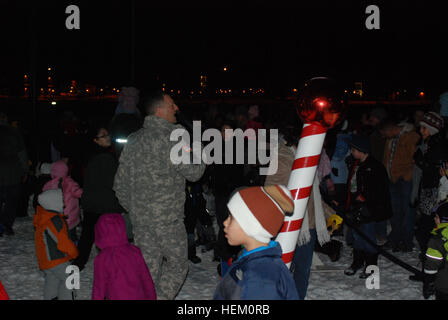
x=54, y=249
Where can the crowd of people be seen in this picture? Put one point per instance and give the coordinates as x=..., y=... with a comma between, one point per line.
x=112, y=183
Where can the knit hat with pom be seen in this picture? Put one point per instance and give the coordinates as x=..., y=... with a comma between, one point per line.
x=260, y=211
x=432, y=121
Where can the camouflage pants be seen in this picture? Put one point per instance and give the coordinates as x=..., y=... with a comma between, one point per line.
x=165, y=252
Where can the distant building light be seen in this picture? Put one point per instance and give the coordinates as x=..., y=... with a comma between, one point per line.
x=53, y=103
x=294, y=90
x=49, y=69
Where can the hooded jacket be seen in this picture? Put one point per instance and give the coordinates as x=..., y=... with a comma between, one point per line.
x=53, y=246
x=120, y=272
x=259, y=274
x=71, y=190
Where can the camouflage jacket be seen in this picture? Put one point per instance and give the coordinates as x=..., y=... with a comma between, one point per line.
x=147, y=183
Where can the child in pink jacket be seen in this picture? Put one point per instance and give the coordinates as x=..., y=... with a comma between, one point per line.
x=120, y=271
x=70, y=189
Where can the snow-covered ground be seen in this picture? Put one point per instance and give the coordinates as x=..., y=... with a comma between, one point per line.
x=22, y=279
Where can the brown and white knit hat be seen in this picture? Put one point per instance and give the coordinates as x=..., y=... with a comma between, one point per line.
x=433, y=121
x=260, y=211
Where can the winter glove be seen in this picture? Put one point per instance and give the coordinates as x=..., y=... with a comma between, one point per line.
x=428, y=285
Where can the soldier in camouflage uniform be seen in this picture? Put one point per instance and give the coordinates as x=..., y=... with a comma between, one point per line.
x=152, y=189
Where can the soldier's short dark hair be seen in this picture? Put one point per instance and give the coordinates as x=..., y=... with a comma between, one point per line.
x=153, y=101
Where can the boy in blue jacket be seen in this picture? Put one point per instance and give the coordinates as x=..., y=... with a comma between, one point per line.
x=256, y=215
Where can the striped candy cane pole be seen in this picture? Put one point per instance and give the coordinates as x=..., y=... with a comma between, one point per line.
x=300, y=183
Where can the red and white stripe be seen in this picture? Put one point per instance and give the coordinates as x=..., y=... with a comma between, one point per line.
x=300, y=183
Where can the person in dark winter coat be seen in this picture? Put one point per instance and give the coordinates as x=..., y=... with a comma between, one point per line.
x=226, y=178
x=428, y=158
x=13, y=170
x=120, y=269
x=256, y=216
x=98, y=196
x=435, y=268
x=368, y=201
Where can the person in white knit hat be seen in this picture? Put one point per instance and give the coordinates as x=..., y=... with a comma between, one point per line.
x=256, y=215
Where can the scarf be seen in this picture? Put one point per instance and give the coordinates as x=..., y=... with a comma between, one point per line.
x=323, y=235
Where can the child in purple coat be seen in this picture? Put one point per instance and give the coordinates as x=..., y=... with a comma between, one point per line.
x=120, y=270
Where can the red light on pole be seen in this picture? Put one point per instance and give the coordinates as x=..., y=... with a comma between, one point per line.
x=321, y=103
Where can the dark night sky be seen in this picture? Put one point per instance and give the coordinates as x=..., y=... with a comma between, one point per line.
x=273, y=45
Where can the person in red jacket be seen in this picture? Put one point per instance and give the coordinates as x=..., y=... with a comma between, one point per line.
x=54, y=249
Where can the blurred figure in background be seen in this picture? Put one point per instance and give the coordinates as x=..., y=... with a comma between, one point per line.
x=13, y=171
